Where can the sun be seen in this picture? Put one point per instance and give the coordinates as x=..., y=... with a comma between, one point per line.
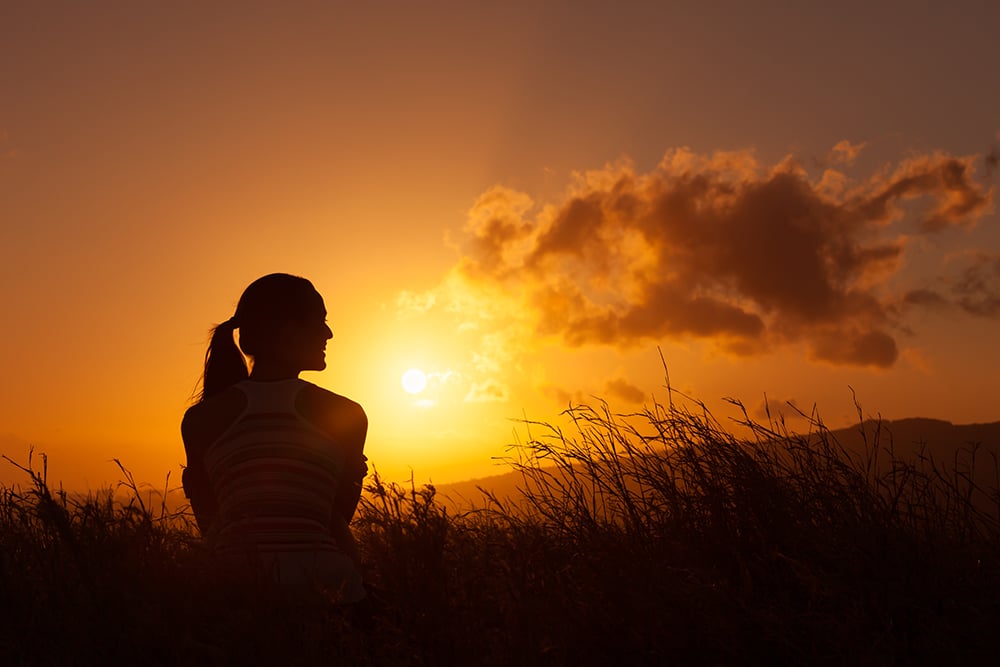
x=414, y=381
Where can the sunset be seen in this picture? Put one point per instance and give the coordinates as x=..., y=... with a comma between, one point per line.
x=510, y=210
x=525, y=219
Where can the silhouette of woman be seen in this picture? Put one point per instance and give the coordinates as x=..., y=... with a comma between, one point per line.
x=275, y=463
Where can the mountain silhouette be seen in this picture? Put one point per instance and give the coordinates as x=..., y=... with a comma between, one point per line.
x=917, y=440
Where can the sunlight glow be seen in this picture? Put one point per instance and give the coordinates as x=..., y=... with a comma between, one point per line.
x=414, y=381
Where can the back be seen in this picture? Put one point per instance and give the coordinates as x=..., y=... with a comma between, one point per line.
x=274, y=476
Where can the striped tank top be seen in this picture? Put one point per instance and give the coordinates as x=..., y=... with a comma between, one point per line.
x=275, y=475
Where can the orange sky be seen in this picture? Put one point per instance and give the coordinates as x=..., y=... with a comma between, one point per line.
x=523, y=201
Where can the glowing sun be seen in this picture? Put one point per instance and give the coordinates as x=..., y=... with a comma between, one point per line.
x=414, y=381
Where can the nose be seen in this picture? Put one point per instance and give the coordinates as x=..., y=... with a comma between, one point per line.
x=329, y=331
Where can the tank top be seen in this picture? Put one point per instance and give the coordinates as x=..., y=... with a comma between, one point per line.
x=275, y=475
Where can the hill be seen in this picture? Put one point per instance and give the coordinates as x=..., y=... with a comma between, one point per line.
x=914, y=439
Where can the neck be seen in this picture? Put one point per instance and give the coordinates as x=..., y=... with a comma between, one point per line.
x=264, y=371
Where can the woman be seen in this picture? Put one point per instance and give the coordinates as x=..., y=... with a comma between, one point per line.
x=275, y=464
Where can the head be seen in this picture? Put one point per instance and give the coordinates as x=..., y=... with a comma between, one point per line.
x=281, y=320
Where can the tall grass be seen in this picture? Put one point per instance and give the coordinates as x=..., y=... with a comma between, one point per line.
x=648, y=538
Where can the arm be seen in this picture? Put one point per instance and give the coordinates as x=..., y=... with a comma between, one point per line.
x=348, y=493
x=346, y=423
x=194, y=478
x=355, y=465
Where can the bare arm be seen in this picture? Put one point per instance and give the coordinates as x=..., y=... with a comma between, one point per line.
x=194, y=478
x=346, y=423
x=199, y=492
x=355, y=466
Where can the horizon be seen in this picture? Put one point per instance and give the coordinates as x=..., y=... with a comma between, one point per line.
x=785, y=204
x=126, y=488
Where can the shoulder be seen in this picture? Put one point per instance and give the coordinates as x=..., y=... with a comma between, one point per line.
x=334, y=413
x=205, y=421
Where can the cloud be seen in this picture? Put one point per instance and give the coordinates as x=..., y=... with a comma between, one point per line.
x=924, y=297
x=412, y=304
x=625, y=390
x=844, y=152
x=719, y=247
x=977, y=287
x=972, y=285
x=616, y=388
x=563, y=396
x=485, y=332
x=866, y=348
x=488, y=391
x=943, y=180
x=991, y=160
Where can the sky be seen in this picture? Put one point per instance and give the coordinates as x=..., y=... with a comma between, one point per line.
x=528, y=202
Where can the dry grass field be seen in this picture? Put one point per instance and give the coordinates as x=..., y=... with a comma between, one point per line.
x=651, y=538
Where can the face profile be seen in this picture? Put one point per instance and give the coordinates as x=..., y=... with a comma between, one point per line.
x=302, y=341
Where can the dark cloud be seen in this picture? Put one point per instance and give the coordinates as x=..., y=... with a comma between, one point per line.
x=565, y=397
x=717, y=247
x=924, y=297
x=625, y=390
x=643, y=320
x=944, y=181
x=617, y=388
x=991, y=160
x=866, y=348
x=973, y=285
x=977, y=289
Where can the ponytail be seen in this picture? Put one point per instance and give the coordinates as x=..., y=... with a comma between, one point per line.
x=266, y=304
x=224, y=364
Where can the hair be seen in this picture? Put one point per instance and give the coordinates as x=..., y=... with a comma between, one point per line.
x=266, y=304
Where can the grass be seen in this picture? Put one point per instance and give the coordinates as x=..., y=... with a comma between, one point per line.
x=651, y=538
